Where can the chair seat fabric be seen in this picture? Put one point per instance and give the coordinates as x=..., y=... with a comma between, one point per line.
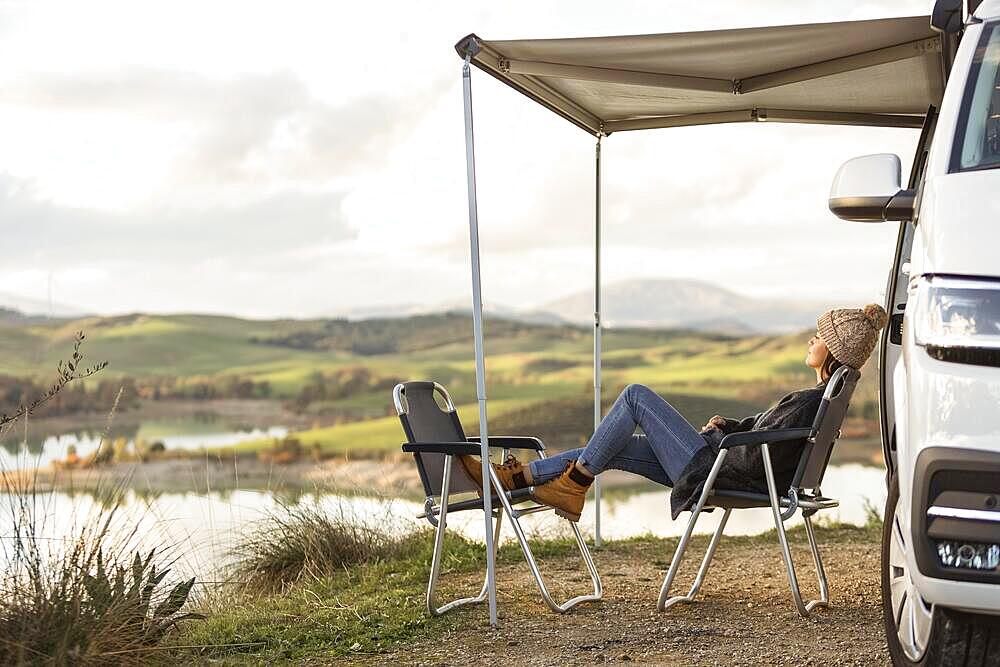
x=516, y=497
x=731, y=499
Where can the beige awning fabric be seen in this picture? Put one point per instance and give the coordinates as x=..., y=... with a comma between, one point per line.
x=883, y=72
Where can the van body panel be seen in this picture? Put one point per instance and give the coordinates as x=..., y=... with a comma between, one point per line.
x=946, y=405
x=988, y=9
x=941, y=404
x=958, y=227
x=965, y=596
x=950, y=404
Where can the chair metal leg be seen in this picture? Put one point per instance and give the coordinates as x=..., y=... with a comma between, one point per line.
x=803, y=609
x=664, y=601
x=824, y=589
x=432, y=607
x=588, y=562
x=716, y=538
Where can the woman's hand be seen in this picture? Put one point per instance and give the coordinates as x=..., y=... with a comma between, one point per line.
x=718, y=421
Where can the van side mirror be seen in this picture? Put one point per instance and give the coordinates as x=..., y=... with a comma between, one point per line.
x=866, y=189
x=946, y=16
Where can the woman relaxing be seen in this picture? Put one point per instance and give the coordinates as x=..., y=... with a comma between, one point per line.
x=672, y=452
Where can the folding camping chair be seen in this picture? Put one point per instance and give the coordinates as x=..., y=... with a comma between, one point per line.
x=820, y=439
x=435, y=437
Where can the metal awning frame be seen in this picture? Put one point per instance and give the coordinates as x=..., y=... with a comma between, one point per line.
x=522, y=75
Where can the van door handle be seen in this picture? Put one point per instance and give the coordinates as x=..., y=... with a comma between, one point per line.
x=896, y=329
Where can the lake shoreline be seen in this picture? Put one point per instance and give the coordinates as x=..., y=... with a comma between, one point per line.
x=208, y=473
x=255, y=412
x=374, y=473
x=394, y=476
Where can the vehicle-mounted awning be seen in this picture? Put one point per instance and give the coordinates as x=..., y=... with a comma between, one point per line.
x=882, y=72
x=885, y=72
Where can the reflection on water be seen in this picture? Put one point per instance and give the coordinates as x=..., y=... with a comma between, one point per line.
x=197, y=431
x=200, y=529
x=859, y=489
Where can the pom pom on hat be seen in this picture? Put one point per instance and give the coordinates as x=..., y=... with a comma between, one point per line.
x=876, y=315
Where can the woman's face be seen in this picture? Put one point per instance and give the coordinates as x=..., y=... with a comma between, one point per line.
x=817, y=352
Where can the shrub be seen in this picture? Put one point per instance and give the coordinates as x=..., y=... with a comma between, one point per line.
x=93, y=601
x=299, y=542
x=286, y=450
x=339, y=384
x=84, y=596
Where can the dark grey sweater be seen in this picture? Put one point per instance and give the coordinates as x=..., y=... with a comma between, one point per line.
x=743, y=469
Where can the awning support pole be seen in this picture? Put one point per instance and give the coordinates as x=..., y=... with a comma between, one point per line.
x=597, y=324
x=477, y=329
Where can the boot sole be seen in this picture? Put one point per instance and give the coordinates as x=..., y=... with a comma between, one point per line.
x=569, y=516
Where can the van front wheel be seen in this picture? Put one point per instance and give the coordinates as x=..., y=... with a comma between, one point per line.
x=909, y=621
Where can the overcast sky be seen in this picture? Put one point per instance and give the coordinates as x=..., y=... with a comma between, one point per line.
x=303, y=159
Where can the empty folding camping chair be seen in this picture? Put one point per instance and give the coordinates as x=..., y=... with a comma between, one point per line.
x=820, y=439
x=435, y=437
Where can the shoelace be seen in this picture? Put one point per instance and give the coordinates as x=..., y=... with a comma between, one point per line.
x=510, y=462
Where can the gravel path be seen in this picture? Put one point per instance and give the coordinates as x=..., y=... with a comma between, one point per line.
x=744, y=614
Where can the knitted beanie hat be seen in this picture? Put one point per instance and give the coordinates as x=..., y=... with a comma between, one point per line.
x=852, y=333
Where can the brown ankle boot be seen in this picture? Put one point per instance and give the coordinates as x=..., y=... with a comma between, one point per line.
x=565, y=493
x=510, y=474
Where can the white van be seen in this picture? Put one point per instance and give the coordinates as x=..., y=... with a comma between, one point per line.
x=940, y=361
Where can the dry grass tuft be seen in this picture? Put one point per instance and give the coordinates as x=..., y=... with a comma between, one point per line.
x=83, y=596
x=307, y=542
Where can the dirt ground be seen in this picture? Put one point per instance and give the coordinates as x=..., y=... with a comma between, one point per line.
x=744, y=614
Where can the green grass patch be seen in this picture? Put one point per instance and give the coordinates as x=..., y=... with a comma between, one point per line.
x=350, y=591
x=376, y=435
x=376, y=607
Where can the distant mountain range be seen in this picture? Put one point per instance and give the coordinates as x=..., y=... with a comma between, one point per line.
x=37, y=307
x=689, y=304
x=663, y=304
x=489, y=310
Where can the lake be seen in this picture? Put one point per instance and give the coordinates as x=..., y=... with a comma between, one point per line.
x=199, y=529
x=188, y=432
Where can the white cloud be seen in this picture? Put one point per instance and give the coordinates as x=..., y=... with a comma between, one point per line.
x=300, y=158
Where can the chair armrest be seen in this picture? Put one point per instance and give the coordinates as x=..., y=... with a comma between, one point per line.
x=512, y=442
x=769, y=436
x=454, y=448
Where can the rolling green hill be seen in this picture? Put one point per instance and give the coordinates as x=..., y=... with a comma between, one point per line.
x=287, y=353
x=539, y=377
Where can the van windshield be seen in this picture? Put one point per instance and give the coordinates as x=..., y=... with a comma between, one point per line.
x=977, y=143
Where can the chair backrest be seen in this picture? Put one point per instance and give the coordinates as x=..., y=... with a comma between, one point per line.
x=423, y=420
x=826, y=428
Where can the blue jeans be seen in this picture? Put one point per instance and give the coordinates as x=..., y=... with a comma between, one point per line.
x=661, y=454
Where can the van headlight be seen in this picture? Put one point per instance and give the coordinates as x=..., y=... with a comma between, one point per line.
x=956, y=319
